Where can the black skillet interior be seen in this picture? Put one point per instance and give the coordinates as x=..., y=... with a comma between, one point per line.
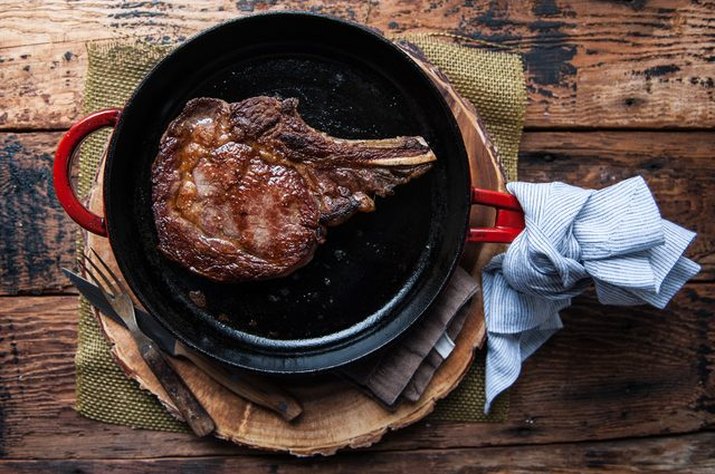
x=376, y=274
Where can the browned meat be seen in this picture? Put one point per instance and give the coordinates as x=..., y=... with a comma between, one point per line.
x=244, y=191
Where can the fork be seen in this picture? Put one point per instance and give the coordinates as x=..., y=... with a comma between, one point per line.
x=117, y=295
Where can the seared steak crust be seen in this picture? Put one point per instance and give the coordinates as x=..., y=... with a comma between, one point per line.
x=244, y=191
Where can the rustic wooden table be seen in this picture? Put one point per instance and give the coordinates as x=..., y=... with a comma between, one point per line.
x=616, y=88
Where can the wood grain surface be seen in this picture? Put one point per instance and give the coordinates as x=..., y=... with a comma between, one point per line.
x=693, y=454
x=616, y=88
x=631, y=63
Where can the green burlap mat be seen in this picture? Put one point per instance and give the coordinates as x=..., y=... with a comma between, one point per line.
x=492, y=80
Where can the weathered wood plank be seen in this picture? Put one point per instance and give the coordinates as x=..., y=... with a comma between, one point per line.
x=57, y=21
x=41, y=85
x=611, y=373
x=692, y=453
x=677, y=166
x=590, y=64
x=36, y=237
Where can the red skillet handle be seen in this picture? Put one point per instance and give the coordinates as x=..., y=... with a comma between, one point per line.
x=63, y=161
x=509, y=220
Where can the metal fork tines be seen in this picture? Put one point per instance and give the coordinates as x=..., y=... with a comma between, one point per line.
x=117, y=295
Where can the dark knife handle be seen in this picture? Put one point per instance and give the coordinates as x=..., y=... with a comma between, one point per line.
x=255, y=389
x=189, y=407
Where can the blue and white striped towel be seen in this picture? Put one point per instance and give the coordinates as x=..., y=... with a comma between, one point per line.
x=613, y=237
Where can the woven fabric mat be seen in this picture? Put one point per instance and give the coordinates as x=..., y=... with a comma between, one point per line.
x=492, y=80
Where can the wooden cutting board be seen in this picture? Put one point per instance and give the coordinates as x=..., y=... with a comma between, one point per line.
x=336, y=414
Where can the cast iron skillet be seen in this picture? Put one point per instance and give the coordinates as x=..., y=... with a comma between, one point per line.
x=375, y=275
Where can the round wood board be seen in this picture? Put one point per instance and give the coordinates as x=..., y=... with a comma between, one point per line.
x=336, y=414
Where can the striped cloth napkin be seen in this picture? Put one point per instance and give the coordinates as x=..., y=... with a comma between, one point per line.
x=613, y=237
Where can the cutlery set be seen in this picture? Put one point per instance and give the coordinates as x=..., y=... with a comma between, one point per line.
x=157, y=346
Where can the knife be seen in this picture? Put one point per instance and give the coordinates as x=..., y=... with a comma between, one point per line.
x=248, y=386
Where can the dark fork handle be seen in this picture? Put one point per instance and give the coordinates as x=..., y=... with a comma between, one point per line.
x=189, y=407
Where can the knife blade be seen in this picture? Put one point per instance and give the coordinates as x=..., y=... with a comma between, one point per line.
x=248, y=386
x=147, y=324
